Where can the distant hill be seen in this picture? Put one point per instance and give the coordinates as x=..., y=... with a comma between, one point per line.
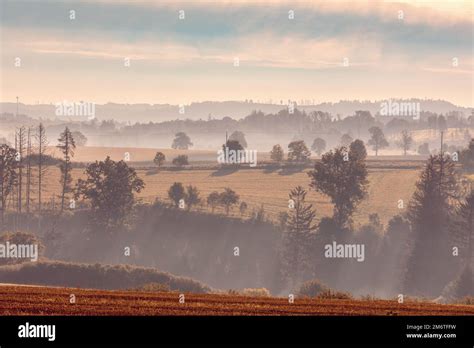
x=204, y=110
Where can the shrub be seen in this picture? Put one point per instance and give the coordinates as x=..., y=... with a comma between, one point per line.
x=312, y=288
x=96, y=276
x=256, y=292
x=153, y=287
x=329, y=294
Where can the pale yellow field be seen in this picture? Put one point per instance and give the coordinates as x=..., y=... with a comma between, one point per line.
x=270, y=189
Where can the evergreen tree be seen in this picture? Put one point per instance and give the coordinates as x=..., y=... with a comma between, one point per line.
x=298, y=237
x=67, y=146
x=430, y=265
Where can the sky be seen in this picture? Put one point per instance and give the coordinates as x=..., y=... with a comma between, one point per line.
x=183, y=52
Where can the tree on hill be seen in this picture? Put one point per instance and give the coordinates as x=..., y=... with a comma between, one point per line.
x=159, y=159
x=342, y=176
x=110, y=187
x=298, y=237
x=298, y=152
x=405, y=141
x=430, y=213
x=377, y=139
x=319, y=145
x=176, y=193
x=180, y=161
x=277, y=153
x=181, y=141
x=239, y=137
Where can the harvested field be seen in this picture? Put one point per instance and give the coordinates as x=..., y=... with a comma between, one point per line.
x=28, y=300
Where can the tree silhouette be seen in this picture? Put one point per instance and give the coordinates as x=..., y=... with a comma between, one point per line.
x=8, y=175
x=176, y=193
x=298, y=152
x=430, y=214
x=66, y=145
x=319, y=145
x=377, y=139
x=213, y=200
x=110, y=188
x=342, y=176
x=228, y=198
x=181, y=141
x=298, y=236
x=159, y=159
x=180, y=161
x=192, y=197
x=277, y=153
x=239, y=137
x=405, y=141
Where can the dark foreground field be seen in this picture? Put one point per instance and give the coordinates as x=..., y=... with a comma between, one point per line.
x=29, y=300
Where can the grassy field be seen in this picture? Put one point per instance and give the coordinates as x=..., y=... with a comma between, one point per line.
x=28, y=300
x=259, y=187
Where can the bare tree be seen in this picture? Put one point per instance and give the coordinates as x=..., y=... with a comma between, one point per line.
x=21, y=144
x=42, y=148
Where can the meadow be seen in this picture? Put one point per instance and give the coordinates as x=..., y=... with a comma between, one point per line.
x=267, y=188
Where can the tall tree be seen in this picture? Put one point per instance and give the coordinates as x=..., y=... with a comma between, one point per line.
x=66, y=145
x=21, y=145
x=377, y=139
x=342, y=176
x=297, y=238
x=405, y=141
x=42, y=169
x=8, y=175
x=29, y=153
x=430, y=214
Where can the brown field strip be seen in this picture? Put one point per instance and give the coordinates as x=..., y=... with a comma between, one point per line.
x=26, y=300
